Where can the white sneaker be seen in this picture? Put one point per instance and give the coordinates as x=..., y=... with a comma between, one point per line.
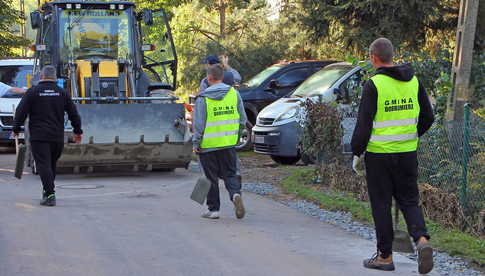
x=211, y=215
x=238, y=206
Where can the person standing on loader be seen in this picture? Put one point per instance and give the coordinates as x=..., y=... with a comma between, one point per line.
x=231, y=75
x=394, y=111
x=45, y=105
x=218, y=119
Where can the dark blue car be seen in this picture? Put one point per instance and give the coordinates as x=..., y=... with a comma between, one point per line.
x=271, y=84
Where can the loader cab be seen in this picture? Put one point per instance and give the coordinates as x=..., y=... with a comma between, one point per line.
x=106, y=49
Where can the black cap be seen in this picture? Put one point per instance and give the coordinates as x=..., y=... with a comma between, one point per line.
x=211, y=59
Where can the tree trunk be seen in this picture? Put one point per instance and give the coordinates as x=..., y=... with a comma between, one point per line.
x=222, y=18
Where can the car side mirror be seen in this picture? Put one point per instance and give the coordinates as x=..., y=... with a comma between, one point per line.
x=148, y=17
x=342, y=95
x=273, y=85
x=35, y=19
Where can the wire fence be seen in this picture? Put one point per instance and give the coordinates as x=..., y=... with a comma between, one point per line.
x=452, y=159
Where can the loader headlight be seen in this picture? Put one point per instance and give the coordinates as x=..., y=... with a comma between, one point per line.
x=290, y=113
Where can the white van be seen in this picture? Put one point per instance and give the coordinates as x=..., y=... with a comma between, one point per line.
x=16, y=73
x=279, y=125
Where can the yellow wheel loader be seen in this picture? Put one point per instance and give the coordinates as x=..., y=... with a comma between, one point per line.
x=120, y=67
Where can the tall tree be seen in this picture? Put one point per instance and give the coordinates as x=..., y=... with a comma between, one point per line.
x=157, y=4
x=9, y=40
x=222, y=6
x=357, y=23
x=250, y=39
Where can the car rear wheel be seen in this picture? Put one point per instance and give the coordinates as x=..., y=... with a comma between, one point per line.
x=285, y=160
x=307, y=160
x=245, y=142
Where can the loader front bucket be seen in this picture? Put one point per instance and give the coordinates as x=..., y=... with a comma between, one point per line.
x=142, y=136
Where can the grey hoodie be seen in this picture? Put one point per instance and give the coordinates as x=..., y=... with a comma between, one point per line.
x=215, y=92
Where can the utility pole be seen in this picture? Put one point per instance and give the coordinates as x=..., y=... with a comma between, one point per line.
x=462, y=60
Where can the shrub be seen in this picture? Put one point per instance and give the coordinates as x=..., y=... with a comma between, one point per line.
x=322, y=132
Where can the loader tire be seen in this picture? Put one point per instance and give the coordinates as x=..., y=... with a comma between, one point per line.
x=163, y=169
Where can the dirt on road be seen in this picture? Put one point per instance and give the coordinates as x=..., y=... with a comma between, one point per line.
x=257, y=168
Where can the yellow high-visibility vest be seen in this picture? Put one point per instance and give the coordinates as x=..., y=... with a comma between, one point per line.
x=395, y=123
x=222, y=123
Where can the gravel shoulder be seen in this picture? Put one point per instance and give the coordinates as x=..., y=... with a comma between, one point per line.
x=262, y=176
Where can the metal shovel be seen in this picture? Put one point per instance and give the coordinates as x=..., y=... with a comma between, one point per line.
x=402, y=241
x=20, y=158
x=20, y=150
x=201, y=189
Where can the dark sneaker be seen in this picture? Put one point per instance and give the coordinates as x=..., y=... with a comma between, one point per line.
x=375, y=262
x=49, y=200
x=238, y=206
x=425, y=257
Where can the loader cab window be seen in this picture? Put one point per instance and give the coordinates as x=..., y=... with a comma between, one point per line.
x=44, y=37
x=95, y=34
x=160, y=61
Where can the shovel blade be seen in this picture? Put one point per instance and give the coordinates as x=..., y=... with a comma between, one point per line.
x=201, y=189
x=20, y=160
x=402, y=242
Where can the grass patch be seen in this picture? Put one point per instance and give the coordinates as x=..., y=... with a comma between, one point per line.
x=454, y=242
x=300, y=185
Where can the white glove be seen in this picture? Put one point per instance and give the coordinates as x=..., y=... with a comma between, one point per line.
x=358, y=165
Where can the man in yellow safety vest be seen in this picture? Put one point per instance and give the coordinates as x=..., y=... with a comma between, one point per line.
x=394, y=111
x=219, y=117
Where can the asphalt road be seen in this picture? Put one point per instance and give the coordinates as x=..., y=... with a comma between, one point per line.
x=145, y=224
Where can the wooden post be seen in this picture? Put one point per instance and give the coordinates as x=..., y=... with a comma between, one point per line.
x=462, y=60
x=481, y=223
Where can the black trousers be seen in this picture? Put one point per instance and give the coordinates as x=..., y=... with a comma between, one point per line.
x=46, y=155
x=394, y=175
x=220, y=164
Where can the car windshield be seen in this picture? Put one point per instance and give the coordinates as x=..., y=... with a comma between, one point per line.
x=94, y=33
x=15, y=76
x=262, y=76
x=321, y=81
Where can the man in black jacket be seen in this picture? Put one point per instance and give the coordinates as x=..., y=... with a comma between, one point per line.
x=394, y=111
x=45, y=105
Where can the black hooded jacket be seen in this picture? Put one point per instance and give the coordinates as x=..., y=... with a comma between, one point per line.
x=368, y=107
x=45, y=105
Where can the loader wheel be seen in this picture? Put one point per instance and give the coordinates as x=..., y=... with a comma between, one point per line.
x=245, y=142
x=285, y=160
x=163, y=169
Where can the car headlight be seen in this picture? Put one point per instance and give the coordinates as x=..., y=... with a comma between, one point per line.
x=288, y=114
